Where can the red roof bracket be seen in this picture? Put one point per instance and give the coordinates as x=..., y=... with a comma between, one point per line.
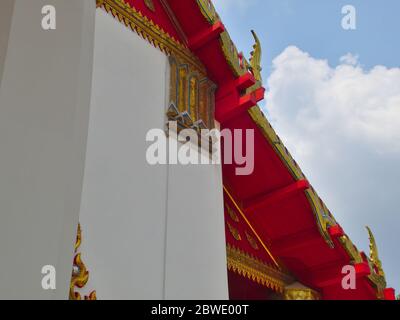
x=389, y=294
x=202, y=38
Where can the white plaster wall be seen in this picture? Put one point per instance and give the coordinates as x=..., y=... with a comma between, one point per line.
x=196, y=250
x=124, y=199
x=149, y=232
x=44, y=110
x=6, y=13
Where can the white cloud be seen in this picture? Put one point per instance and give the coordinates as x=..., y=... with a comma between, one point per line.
x=350, y=59
x=345, y=102
x=342, y=125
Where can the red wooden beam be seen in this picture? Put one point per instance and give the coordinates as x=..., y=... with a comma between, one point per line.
x=297, y=241
x=204, y=37
x=245, y=81
x=243, y=104
x=389, y=294
x=336, y=231
x=277, y=196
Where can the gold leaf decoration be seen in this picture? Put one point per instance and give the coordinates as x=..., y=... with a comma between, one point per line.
x=80, y=275
x=374, y=255
x=235, y=233
x=232, y=214
x=252, y=241
x=256, y=270
x=255, y=60
x=150, y=5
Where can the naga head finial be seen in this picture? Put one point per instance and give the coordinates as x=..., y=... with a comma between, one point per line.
x=374, y=256
x=255, y=59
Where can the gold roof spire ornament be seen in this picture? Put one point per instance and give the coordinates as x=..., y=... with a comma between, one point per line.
x=255, y=59
x=374, y=256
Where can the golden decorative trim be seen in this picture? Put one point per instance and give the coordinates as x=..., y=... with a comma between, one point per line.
x=301, y=294
x=149, y=31
x=251, y=228
x=374, y=255
x=234, y=232
x=208, y=11
x=80, y=275
x=150, y=5
x=252, y=241
x=256, y=270
x=232, y=213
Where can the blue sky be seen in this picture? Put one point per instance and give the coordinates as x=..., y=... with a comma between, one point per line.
x=315, y=27
x=334, y=98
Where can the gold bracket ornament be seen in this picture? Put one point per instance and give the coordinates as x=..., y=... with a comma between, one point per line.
x=80, y=275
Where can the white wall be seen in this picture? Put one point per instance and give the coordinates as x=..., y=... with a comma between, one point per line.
x=149, y=232
x=124, y=199
x=44, y=109
x=6, y=13
x=196, y=251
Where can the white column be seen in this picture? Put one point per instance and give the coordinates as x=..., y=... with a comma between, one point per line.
x=44, y=108
x=196, y=267
x=6, y=12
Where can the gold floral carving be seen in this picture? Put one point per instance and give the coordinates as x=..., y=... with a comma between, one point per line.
x=234, y=232
x=255, y=60
x=256, y=270
x=242, y=214
x=252, y=241
x=232, y=213
x=80, y=275
x=374, y=255
x=150, y=5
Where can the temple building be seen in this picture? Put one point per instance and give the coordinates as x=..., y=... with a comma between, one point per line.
x=77, y=192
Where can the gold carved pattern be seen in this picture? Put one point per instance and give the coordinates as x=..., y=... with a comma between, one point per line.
x=149, y=31
x=234, y=232
x=182, y=88
x=232, y=213
x=252, y=241
x=301, y=294
x=208, y=11
x=192, y=94
x=80, y=275
x=150, y=5
x=256, y=270
x=374, y=255
x=193, y=97
x=251, y=228
x=377, y=278
x=255, y=60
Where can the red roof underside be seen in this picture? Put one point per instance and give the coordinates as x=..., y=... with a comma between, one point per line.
x=288, y=228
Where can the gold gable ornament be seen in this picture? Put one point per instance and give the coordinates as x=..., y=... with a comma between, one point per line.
x=374, y=256
x=80, y=275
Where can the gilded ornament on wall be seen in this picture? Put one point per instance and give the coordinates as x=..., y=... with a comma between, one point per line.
x=80, y=275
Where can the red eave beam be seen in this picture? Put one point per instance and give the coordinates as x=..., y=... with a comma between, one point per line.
x=389, y=294
x=296, y=242
x=204, y=37
x=277, y=196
